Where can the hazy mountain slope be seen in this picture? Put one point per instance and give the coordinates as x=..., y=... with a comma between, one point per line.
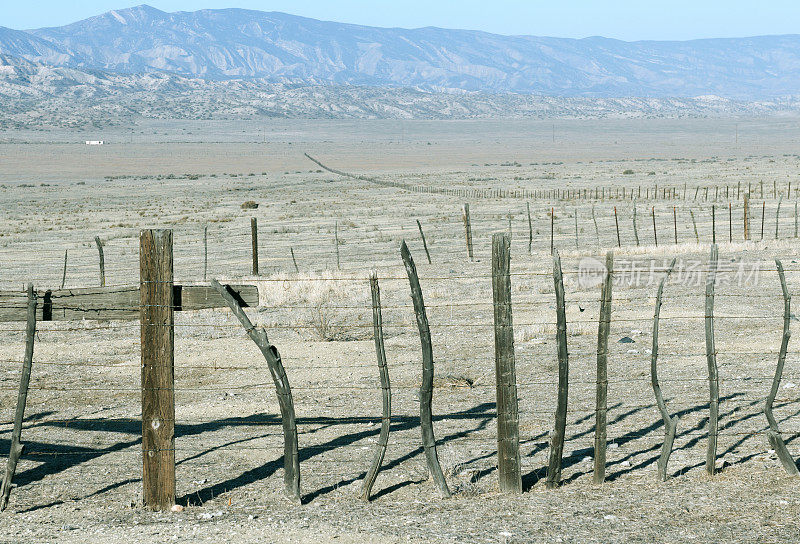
x=235, y=43
x=37, y=95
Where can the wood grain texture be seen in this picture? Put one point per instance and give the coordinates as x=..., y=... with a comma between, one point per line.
x=15, y=450
x=386, y=390
x=158, y=376
x=557, y=438
x=508, y=462
x=711, y=359
x=426, y=388
x=601, y=394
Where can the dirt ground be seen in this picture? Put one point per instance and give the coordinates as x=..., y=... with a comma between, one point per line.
x=80, y=477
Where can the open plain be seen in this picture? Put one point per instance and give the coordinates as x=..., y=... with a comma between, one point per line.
x=80, y=476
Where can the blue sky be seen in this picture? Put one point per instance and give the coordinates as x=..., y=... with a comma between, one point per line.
x=622, y=19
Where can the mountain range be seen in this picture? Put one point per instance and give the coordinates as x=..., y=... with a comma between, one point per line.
x=236, y=44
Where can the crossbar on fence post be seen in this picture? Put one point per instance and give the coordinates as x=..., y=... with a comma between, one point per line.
x=508, y=462
x=158, y=377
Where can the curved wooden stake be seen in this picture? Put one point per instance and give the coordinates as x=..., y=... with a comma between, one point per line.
x=713, y=372
x=774, y=434
x=16, y=446
x=102, y=261
x=603, y=329
x=670, y=423
x=386, y=389
x=426, y=389
x=557, y=440
x=291, y=459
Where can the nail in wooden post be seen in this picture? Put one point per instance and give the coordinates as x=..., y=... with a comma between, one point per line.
x=509, y=470
x=774, y=434
x=655, y=231
x=616, y=222
x=102, y=261
x=386, y=389
x=64, y=275
x=426, y=388
x=670, y=423
x=604, y=326
x=205, y=252
x=711, y=357
x=530, y=228
x=157, y=347
x=291, y=458
x=468, y=232
x=557, y=438
x=16, y=447
x=424, y=242
x=254, y=243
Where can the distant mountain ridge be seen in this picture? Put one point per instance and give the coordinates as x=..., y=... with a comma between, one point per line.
x=229, y=44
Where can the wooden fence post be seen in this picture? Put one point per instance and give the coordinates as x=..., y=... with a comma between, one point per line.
x=694, y=225
x=747, y=216
x=254, y=243
x=557, y=439
x=205, y=252
x=157, y=347
x=604, y=326
x=777, y=216
x=530, y=228
x=675, y=224
x=596, y=229
x=552, y=229
x=386, y=389
x=294, y=261
x=508, y=462
x=763, y=212
x=468, y=232
x=424, y=242
x=655, y=231
x=426, y=387
x=64, y=275
x=102, y=261
x=711, y=356
x=616, y=222
x=713, y=224
x=730, y=222
x=670, y=423
x=336, y=242
x=635, y=228
x=15, y=450
x=774, y=434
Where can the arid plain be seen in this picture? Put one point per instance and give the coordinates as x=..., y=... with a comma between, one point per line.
x=80, y=478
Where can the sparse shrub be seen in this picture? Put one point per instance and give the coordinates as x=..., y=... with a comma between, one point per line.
x=249, y=205
x=628, y=172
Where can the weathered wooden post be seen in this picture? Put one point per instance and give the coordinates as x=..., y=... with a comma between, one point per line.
x=15, y=449
x=655, y=231
x=552, y=229
x=336, y=243
x=205, y=252
x=777, y=216
x=670, y=423
x=530, y=228
x=601, y=411
x=64, y=275
x=508, y=465
x=774, y=434
x=468, y=232
x=424, y=242
x=254, y=243
x=294, y=261
x=386, y=389
x=675, y=224
x=747, y=216
x=711, y=356
x=763, y=212
x=102, y=261
x=730, y=222
x=557, y=438
x=616, y=222
x=426, y=387
x=157, y=347
x=694, y=225
x=713, y=224
x=635, y=228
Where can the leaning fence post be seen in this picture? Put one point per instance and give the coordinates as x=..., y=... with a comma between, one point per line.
x=616, y=222
x=711, y=356
x=426, y=388
x=694, y=225
x=508, y=464
x=557, y=439
x=530, y=228
x=386, y=389
x=157, y=347
x=254, y=243
x=294, y=261
x=291, y=458
x=424, y=242
x=16, y=447
x=468, y=231
x=102, y=261
x=604, y=326
x=774, y=434
x=670, y=423
x=655, y=231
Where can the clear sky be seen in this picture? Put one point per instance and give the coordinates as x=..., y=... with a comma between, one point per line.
x=622, y=19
